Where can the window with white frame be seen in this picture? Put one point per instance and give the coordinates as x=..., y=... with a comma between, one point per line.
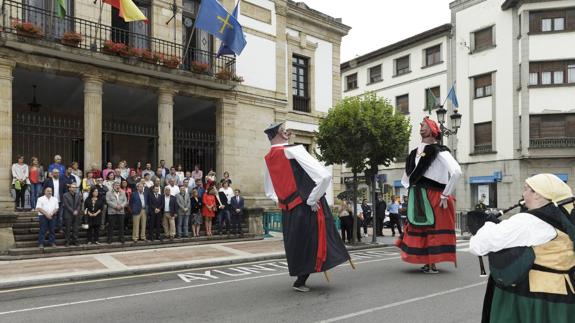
x=533, y=78
x=571, y=74
x=482, y=85
x=374, y=74
x=552, y=20
x=351, y=82
x=552, y=72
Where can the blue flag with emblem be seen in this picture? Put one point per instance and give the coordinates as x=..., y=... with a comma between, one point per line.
x=453, y=97
x=224, y=49
x=215, y=20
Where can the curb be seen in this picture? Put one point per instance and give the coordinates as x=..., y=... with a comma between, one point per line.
x=159, y=269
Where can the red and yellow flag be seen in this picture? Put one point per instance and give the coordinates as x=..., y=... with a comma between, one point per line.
x=128, y=10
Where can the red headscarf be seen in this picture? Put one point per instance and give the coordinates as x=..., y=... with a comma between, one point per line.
x=435, y=131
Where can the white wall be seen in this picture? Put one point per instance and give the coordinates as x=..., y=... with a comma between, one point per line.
x=482, y=111
x=257, y=63
x=260, y=25
x=497, y=60
x=552, y=99
x=323, y=74
x=552, y=46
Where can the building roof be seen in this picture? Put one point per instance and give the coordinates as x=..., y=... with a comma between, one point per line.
x=319, y=16
x=396, y=46
x=509, y=4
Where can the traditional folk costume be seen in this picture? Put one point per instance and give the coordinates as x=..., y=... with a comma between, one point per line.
x=431, y=174
x=297, y=182
x=532, y=260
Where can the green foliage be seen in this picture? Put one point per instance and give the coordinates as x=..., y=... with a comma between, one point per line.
x=363, y=133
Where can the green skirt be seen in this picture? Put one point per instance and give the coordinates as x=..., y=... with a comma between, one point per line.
x=507, y=307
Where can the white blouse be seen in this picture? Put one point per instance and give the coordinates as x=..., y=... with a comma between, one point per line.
x=520, y=230
x=310, y=165
x=444, y=170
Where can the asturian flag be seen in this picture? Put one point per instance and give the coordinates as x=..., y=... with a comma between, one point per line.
x=215, y=20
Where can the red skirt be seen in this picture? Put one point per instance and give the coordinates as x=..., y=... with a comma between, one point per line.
x=431, y=245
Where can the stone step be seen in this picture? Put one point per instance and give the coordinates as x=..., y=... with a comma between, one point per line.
x=32, y=239
x=61, y=250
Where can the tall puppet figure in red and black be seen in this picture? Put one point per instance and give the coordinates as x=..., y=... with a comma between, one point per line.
x=431, y=174
x=297, y=183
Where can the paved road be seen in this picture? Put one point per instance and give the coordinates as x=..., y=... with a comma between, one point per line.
x=381, y=289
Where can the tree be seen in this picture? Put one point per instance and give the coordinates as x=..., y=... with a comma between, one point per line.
x=363, y=133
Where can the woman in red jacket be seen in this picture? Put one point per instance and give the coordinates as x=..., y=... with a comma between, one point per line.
x=209, y=209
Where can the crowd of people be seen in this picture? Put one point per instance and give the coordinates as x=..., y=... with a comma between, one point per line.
x=392, y=215
x=160, y=203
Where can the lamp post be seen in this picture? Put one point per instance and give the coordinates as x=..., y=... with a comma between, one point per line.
x=455, y=122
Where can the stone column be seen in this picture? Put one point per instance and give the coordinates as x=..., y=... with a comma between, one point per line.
x=226, y=112
x=6, y=68
x=92, y=121
x=166, y=125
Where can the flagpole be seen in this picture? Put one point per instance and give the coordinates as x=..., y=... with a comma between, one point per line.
x=191, y=35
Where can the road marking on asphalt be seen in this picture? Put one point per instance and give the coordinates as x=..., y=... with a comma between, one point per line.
x=110, y=262
x=407, y=301
x=103, y=299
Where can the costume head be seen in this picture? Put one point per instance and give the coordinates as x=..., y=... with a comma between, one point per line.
x=551, y=188
x=433, y=127
x=273, y=130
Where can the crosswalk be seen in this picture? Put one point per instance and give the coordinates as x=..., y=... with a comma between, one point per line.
x=462, y=245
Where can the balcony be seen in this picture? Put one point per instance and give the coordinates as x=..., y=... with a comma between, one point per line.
x=483, y=149
x=301, y=104
x=41, y=27
x=564, y=142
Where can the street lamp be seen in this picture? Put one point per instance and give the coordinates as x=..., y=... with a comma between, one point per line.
x=455, y=121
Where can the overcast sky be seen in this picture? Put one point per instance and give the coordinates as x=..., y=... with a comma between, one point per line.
x=377, y=23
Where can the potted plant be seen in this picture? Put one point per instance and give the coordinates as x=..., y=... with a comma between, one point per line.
x=72, y=39
x=27, y=29
x=113, y=48
x=171, y=61
x=199, y=67
x=224, y=74
x=151, y=57
x=237, y=78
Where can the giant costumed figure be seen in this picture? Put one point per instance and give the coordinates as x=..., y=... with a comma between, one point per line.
x=297, y=182
x=431, y=174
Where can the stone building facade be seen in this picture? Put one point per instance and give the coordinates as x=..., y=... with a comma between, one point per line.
x=92, y=105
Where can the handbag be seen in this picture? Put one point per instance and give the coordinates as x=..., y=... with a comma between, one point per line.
x=17, y=185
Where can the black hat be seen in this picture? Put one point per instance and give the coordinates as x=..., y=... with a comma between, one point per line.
x=272, y=130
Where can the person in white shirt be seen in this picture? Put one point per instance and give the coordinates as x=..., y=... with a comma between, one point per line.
x=20, y=181
x=531, y=255
x=174, y=189
x=431, y=174
x=170, y=213
x=47, y=207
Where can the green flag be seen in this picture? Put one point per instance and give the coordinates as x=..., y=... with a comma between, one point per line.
x=431, y=101
x=61, y=8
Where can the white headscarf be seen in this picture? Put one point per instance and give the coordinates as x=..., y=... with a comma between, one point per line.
x=551, y=187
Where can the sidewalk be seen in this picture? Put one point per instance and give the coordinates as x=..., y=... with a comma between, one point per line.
x=23, y=273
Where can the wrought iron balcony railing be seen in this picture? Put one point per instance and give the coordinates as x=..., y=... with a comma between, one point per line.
x=301, y=104
x=564, y=142
x=29, y=22
x=482, y=149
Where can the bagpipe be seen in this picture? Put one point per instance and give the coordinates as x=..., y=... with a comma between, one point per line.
x=501, y=259
x=477, y=218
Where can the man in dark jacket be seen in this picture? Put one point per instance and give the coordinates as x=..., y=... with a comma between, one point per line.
x=156, y=207
x=237, y=208
x=139, y=206
x=72, y=202
x=380, y=215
